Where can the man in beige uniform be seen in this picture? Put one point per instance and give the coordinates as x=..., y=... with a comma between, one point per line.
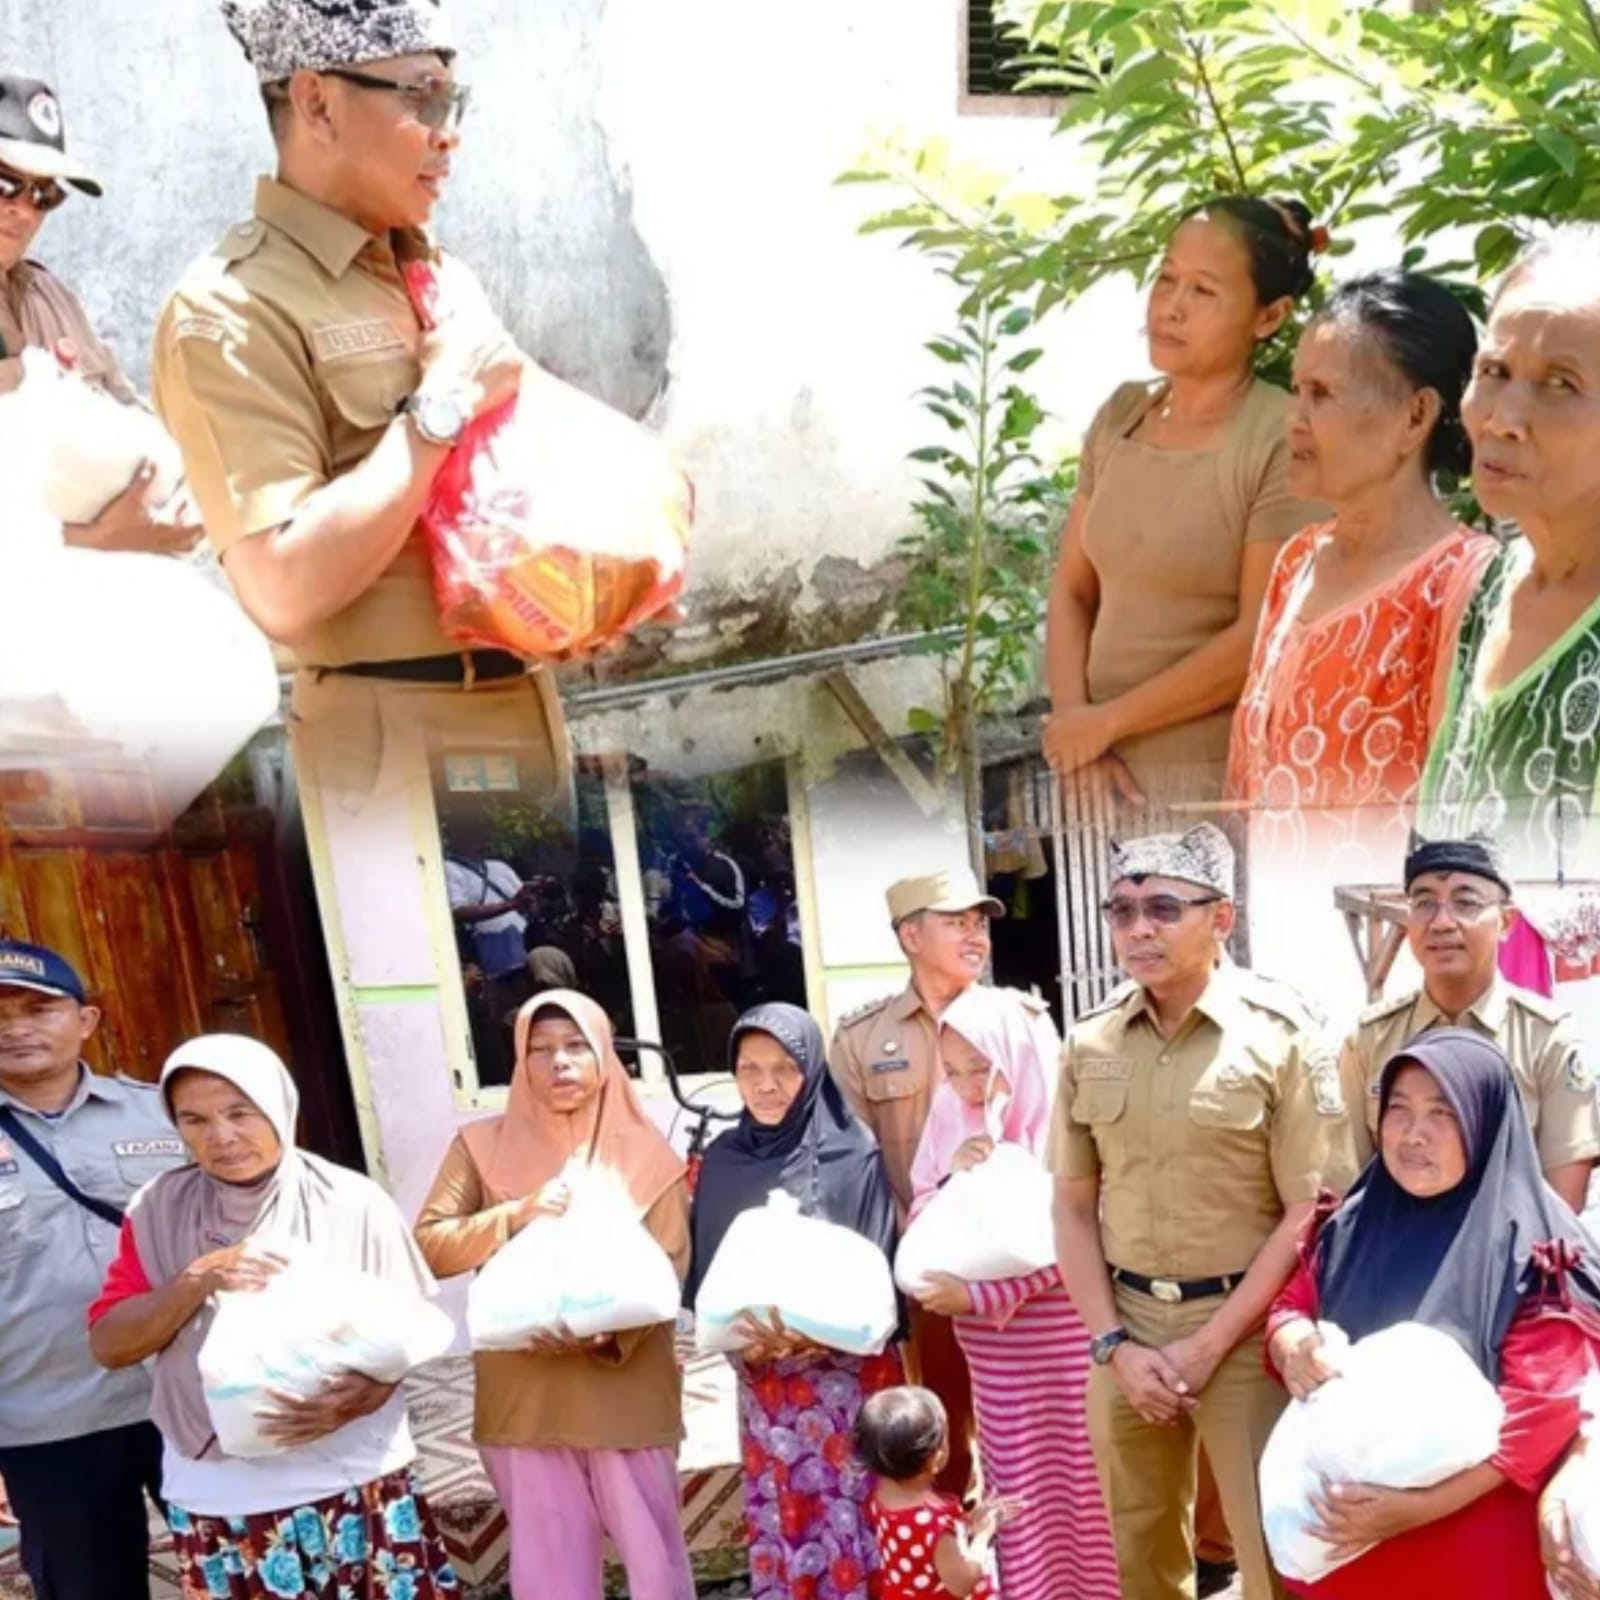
x=1459, y=911
x=38, y=311
x=1198, y=1118
x=314, y=410
x=886, y=1060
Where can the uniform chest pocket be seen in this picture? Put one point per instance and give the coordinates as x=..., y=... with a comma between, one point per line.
x=134, y=1169
x=888, y=1087
x=1099, y=1102
x=20, y=1233
x=1238, y=1109
x=366, y=393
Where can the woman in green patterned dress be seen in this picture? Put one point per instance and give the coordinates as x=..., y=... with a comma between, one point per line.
x=1517, y=752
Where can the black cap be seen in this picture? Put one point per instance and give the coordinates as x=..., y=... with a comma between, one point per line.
x=32, y=138
x=1477, y=854
x=32, y=966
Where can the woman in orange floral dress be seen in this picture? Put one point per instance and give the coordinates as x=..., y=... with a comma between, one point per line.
x=1334, y=723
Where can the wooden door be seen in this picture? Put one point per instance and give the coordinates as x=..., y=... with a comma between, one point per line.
x=208, y=928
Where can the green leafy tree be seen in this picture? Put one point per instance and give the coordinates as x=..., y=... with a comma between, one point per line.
x=1457, y=127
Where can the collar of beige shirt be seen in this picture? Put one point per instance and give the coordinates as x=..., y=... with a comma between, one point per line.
x=1489, y=1008
x=1217, y=1001
x=330, y=238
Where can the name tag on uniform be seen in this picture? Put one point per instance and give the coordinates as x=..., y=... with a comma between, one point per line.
x=8, y=1160
x=1114, y=1069
x=891, y=1060
x=347, y=339
x=148, y=1147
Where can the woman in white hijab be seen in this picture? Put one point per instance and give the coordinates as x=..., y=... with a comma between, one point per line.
x=336, y=1512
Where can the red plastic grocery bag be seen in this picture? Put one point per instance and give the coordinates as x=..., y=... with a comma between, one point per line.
x=558, y=524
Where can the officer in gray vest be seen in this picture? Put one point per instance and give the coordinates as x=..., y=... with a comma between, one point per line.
x=77, y=1450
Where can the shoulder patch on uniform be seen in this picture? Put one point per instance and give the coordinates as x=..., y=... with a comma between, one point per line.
x=871, y=1008
x=1282, y=999
x=195, y=326
x=1546, y=1010
x=1387, y=1007
x=1326, y=1087
x=240, y=241
x=1119, y=997
x=1577, y=1074
x=1031, y=1001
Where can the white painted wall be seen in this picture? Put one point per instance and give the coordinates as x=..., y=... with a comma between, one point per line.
x=647, y=189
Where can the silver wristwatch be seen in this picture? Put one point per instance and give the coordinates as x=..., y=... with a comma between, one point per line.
x=1102, y=1349
x=438, y=416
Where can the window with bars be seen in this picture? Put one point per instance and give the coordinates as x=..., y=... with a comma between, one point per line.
x=996, y=60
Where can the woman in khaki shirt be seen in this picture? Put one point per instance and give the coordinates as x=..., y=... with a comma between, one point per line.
x=1182, y=503
x=579, y=1436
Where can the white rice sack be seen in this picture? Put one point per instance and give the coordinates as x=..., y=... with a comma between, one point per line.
x=826, y=1282
x=310, y=1324
x=1583, y=1499
x=84, y=447
x=989, y=1222
x=1347, y=1432
x=595, y=1270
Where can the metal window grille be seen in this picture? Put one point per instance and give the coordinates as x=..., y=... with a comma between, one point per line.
x=996, y=59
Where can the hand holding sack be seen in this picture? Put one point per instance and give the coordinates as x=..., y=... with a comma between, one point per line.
x=593, y=1270
x=1346, y=1433
x=1583, y=1498
x=989, y=1222
x=557, y=525
x=307, y=1326
x=79, y=445
x=828, y=1283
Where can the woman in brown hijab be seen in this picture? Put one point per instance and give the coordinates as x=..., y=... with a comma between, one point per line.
x=579, y=1436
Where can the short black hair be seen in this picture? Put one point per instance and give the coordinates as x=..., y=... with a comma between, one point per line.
x=275, y=97
x=1428, y=336
x=1275, y=233
x=899, y=1432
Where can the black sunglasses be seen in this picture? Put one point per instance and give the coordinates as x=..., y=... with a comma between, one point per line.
x=1165, y=910
x=44, y=194
x=435, y=103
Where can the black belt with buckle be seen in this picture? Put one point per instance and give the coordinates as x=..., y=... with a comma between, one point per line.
x=471, y=666
x=1174, y=1291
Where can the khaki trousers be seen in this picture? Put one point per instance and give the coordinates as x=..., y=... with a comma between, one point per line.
x=1149, y=1473
x=359, y=740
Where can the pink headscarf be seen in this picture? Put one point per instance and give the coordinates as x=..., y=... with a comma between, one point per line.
x=1014, y=1043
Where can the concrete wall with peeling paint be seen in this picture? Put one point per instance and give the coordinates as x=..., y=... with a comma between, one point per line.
x=647, y=190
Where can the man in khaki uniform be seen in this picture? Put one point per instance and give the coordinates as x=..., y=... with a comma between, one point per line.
x=38, y=311
x=314, y=410
x=1460, y=909
x=1199, y=1115
x=886, y=1060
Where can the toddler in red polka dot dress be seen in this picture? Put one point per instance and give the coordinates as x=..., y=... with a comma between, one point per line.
x=928, y=1548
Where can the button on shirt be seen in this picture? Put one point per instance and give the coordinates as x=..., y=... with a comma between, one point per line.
x=279, y=363
x=1202, y=1140
x=112, y=1139
x=1538, y=1038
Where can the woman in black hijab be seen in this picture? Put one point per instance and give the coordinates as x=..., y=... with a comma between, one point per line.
x=804, y=1488
x=1453, y=1226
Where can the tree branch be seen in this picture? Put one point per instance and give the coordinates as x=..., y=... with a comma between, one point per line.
x=1204, y=79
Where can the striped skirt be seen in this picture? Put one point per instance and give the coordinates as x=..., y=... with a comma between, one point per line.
x=1029, y=1376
